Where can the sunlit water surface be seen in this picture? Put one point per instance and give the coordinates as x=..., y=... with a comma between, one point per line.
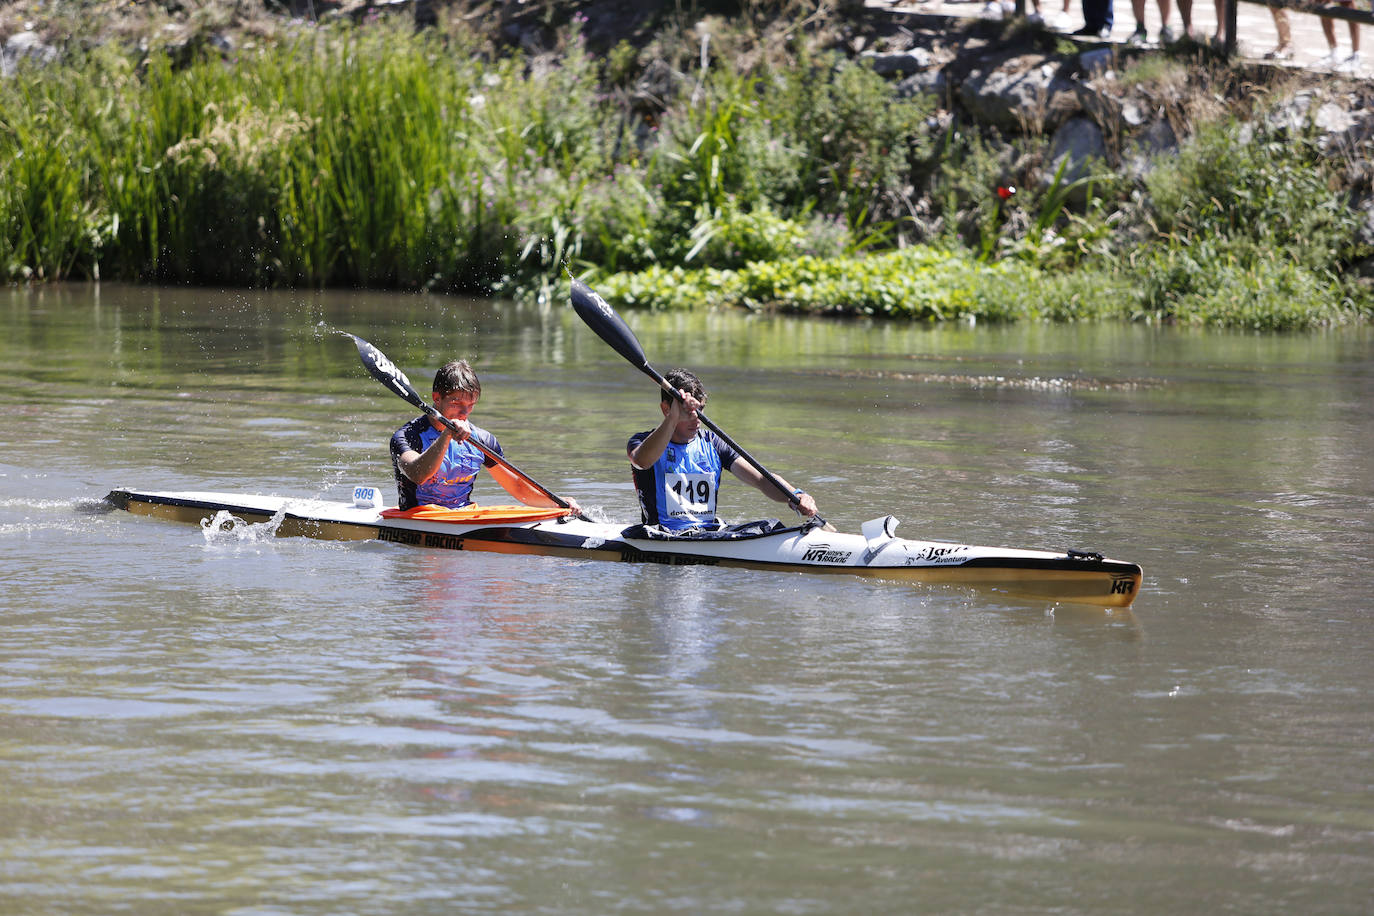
x=200, y=721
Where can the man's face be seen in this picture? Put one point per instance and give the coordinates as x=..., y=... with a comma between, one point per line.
x=455, y=405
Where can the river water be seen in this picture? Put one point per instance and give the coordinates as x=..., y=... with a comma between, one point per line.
x=234, y=724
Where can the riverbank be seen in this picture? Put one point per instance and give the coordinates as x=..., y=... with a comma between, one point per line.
x=852, y=165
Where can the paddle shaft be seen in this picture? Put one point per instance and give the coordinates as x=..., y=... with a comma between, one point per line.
x=393, y=379
x=611, y=328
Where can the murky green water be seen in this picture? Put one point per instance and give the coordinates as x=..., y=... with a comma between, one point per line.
x=231, y=724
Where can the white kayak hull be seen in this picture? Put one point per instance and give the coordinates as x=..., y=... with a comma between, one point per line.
x=1066, y=576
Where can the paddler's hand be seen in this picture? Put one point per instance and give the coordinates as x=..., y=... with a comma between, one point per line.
x=684, y=406
x=806, y=505
x=459, y=430
x=572, y=504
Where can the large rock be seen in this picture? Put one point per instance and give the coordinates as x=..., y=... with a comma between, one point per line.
x=1156, y=140
x=1028, y=94
x=1078, y=145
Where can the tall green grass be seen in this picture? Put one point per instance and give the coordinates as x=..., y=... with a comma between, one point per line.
x=362, y=157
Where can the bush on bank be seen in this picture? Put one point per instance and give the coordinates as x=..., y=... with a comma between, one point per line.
x=378, y=157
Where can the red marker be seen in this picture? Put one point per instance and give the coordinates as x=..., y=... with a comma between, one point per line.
x=1006, y=192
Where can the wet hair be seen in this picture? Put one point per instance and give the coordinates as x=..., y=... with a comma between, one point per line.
x=683, y=380
x=457, y=376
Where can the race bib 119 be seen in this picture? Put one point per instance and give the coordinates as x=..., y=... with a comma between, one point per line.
x=691, y=497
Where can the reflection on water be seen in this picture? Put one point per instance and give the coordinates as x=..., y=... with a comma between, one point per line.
x=220, y=721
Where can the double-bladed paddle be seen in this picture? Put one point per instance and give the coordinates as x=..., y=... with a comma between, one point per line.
x=611, y=328
x=393, y=379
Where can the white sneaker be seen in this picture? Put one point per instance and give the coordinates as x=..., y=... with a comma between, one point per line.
x=1350, y=65
x=1326, y=62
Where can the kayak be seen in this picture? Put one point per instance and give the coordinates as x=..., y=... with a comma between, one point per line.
x=1080, y=577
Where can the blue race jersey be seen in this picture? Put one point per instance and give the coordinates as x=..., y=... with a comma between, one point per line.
x=679, y=490
x=451, y=485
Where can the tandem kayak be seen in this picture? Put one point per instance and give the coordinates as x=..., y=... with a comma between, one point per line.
x=876, y=552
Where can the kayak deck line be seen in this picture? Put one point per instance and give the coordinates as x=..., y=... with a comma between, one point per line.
x=1070, y=576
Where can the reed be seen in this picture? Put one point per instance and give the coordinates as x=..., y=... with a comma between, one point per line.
x=366, y=157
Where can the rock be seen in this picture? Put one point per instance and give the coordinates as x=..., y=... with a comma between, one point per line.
x=1343, y=122
x=658, y=84
x=929, y=82
x=1331, y=119
x=1133, y=114
x=1025, y=94
x=1355, y=135
x=1365, y=233
x=1145, y=147
x=901, y=62
x=24, y=45
x=1294, y=112
x=1079, y=142
x=1096, y=62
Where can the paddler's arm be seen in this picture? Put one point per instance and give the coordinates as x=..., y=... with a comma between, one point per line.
x=421, y=466
x=519, y=488
x=751, y=475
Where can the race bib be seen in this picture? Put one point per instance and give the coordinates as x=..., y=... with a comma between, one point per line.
x=690, y=497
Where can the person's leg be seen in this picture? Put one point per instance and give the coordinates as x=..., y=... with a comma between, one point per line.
x=1220, y=36
x=1351, y=64
x=1093, y=14
x=1185, y=13
x=1166, y=34
x=1332, y=59
x=1284, y=49
x=1138, y=9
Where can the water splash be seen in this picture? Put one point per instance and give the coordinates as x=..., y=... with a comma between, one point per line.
x=227, y=528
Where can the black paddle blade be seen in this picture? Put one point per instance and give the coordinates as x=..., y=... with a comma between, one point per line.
x=609, y=326
x=385, y=371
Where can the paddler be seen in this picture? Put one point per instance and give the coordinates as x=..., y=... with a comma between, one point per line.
x=677, y=466
x=437, y=466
